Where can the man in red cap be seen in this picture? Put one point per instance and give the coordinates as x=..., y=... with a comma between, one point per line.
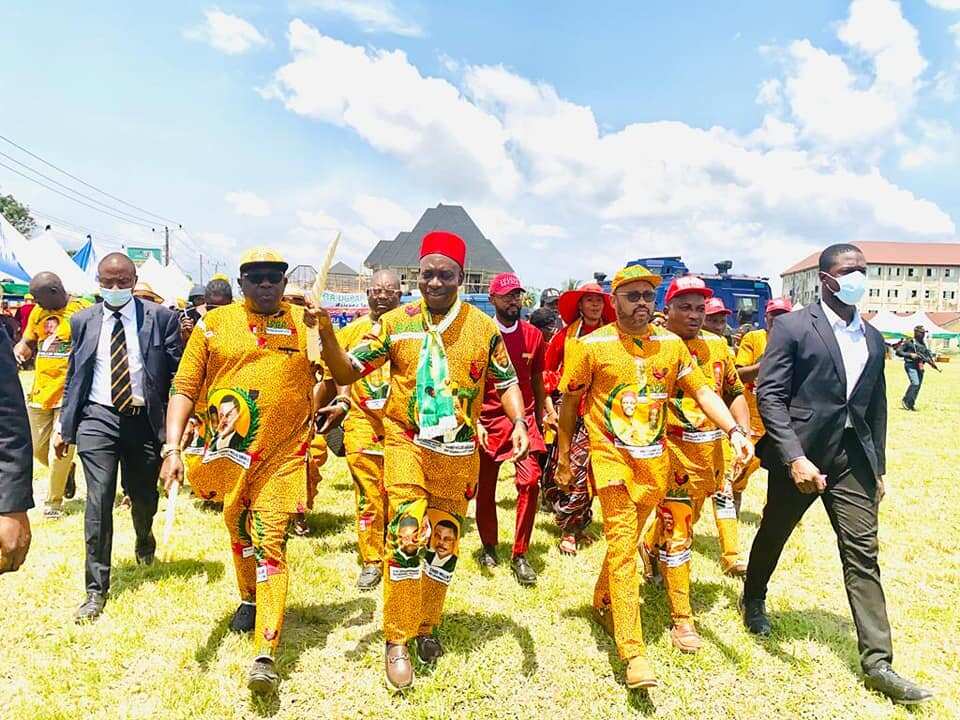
x=442, y=353
x=525, y=346
x=752, y=347
x=715, y=319
x=697, y=465
x=582, y=310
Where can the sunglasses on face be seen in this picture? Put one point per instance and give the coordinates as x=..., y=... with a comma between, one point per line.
x=274, y=277
x=635, y=296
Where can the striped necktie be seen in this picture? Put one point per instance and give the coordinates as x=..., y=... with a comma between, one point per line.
x=120, y=389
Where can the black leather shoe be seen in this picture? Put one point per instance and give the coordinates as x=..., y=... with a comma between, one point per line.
x=369, y=577
x=754, y=614
x=429, y=649
x=523, y=572
x=91, y=609
x=488, y=556
x=263, y=678
x=146, y=550
x=70, y=491
x=884, y=680
x=244, y=619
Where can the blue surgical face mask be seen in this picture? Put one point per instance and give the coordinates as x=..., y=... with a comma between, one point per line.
x=116, y=298
x=852, y=287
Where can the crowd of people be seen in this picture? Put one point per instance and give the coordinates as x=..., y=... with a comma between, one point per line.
x=596, y=397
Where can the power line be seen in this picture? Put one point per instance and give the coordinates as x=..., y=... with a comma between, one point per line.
x=84, y=182
x=78, y=228
x=68, y=197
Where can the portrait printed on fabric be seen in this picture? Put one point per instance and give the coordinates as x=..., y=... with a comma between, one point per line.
x=634, y=417
x=443, y=548
x=407, y=536
x=53, y=344
x=233, y=421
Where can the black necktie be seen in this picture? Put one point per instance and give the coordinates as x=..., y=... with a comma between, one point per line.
x=120, y=389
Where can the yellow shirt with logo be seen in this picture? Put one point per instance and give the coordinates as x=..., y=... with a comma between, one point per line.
x=752, y=347
x=363, y=426
x=628, y=380
x=50, y=330
x=695, y=443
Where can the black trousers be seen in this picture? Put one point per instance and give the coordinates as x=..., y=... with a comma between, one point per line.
x=107, y=440
x=851, y=501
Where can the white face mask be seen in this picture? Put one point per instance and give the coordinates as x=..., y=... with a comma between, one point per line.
x=852, y=287
x=116, y=298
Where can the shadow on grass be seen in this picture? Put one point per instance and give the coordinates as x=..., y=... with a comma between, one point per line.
x=748, y=517
x=508, y=502
x=324, y=523
x=128, y=576
x=833, y=631
x=342, y=486
x=305, y=627
x=462, y=633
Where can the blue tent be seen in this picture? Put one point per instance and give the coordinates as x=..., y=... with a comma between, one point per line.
x=85, y=255
x=9, y=266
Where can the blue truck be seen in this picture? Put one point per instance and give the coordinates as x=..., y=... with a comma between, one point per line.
x=745, y=295
x=480, y=300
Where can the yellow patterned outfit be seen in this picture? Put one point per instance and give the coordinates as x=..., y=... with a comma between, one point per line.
x=428, y=477
x=752, y=347
x=50, y=330
x=628, y=380
x=363, y=444
x=698, y=469
x=256, y=382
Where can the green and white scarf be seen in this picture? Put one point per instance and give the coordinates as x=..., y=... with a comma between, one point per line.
x=436, y=414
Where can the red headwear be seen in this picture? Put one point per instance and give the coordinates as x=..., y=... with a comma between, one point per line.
x=779, y=305
x=569, y=304
x=440, y=242
x=687, y=284
x=715, y=305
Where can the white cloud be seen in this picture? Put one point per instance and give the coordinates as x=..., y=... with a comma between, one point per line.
x=373, y=16
x=955, y=31
x=425, y=122
x=939, y=144
x=248, y=203
x=945, y=4
x=831, y=103
x=227, y=33
x=537, y=171
x=946, y=82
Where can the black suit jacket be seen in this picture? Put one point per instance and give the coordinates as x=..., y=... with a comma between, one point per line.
x=158, y=330
x=16, y=448
x=802, y=394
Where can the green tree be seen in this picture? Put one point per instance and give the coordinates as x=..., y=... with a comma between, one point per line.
x=17, y=214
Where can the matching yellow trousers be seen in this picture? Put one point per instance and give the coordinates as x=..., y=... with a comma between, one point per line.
x=371, y=505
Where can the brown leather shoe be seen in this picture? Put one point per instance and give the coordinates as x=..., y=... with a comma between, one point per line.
x=398, y=666
x=685, y=638
x=604, y=618
x=737, y=570
x=640, y=674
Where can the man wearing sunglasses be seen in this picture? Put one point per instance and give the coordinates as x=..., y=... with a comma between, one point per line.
x=697, y=465
x=252, y=356
x=626, y=372
x=360, y=408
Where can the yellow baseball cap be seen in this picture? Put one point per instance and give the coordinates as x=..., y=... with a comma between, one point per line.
x=632, y=273
x=262, y=254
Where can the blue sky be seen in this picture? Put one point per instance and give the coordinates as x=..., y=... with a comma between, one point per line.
x=576, y=138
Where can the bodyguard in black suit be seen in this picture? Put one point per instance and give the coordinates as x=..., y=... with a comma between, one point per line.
x=822, y=397
x=16, y=463
x=125, y=353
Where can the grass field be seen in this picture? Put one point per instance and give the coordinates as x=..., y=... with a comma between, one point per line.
x=162, y=648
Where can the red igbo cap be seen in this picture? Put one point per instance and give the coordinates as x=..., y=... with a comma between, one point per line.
x=687, y=284
x=715, y=305
x=444, y=243
x=568, y=305
x=504, y=284
x=779, y=305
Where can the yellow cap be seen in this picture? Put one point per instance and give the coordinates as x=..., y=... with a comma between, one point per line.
x=632, y=273
x=262, y=254
x=220, y=276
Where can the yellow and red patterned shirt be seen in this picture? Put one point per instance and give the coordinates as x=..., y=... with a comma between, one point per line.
x=695, y=443
x=251, y=376
x=50, y=330
x=628, y=381
x=363, y=426
x=475, y=355
x=752, y=347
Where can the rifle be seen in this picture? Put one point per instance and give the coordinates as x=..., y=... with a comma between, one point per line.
x=926, y=356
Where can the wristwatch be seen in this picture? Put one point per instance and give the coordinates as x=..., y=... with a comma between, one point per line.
x=737, y=429
x=168, y=449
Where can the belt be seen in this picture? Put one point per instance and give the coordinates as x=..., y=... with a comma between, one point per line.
x=131, y=411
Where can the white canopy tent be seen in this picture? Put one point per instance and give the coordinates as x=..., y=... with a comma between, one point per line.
x=44, y=254
x=168, y=282
x=893, y=325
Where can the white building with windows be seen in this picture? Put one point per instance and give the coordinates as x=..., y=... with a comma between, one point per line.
x=901, y=277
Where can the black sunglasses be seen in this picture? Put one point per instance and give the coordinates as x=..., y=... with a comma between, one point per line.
x=274, y=277
x=635, y=296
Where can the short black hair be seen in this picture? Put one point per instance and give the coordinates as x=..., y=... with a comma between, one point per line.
x=829, y=256
x=218, y=288
x=543, y=318
x=449, y=524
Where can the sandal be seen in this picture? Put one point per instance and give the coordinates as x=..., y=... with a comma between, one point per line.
x=568, y=545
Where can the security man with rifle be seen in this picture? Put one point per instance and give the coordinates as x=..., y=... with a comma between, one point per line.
x=915, y=354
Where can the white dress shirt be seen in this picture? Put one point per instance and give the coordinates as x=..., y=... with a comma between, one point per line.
x=100, y=390
x=853, y=347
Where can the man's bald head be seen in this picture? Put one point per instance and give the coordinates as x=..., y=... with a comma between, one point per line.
x=117, y=272
x=116, y=260
x=383, y=295
x=47, y=290
x=386, y=277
